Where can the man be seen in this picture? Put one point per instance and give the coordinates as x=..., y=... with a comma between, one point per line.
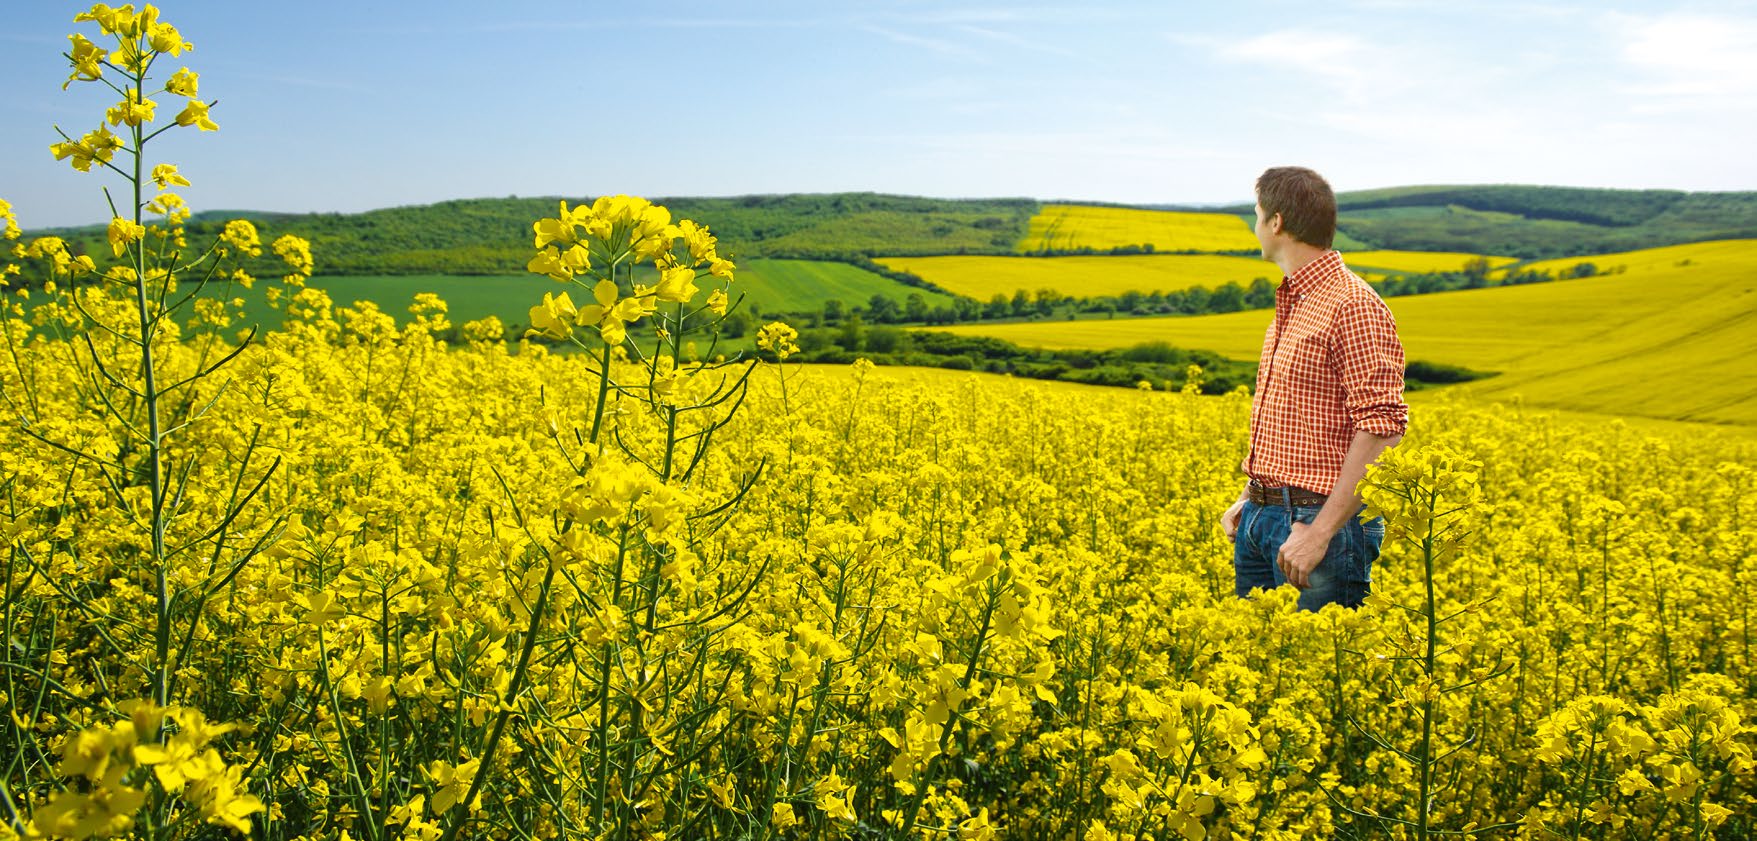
x=1329, y=400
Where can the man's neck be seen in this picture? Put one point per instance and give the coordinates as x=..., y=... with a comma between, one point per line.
x=1297, y=255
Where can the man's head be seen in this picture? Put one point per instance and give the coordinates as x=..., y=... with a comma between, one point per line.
x=1294, y=204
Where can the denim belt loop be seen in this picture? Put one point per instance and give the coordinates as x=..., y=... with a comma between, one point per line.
x=1287, y=500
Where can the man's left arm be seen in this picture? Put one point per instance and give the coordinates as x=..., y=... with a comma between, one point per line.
x=1368, y=360
x=1306, y=545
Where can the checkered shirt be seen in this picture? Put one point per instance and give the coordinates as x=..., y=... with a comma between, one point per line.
x=1332, y=365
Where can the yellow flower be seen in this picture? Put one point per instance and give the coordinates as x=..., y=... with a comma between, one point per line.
x=12, y=231
x=87, y=59
x=295, y=252
x=548, y=263
x=88, y=753
x=124, y=232
x=195, y=114
x=166, y=174
x=976, y=828
x=451, y=782
x=131, y=57
x=778, y=337
x=107, y=18
x=241, y=234
x=132, y=110
x=321, y=607
x=565, y=228
x=108, y=810
x=677, y=285
x=717, y=302
x=169, y=205
x=724, y=794
x=164, y=38
x=609, y=315
x=223, y=801
x=782, y=817
x=131, y=24
x=697, y=239
x=97, y=146
x=554, y=317
x=183, y=83
x=576, y=259
x=179, y=761
x=412, y=810
x=837, y=806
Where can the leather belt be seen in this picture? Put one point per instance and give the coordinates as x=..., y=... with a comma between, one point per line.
x=1284, y=496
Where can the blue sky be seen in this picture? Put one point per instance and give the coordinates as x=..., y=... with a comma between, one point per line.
x=329, y=106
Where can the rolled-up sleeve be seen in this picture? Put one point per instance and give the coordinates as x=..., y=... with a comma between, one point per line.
x=1369, y=362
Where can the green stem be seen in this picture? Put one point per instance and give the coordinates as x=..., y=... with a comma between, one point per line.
x=512, y=692
x=952, y=715
x=161, y=678
x=1427, y=706
x=373, y=828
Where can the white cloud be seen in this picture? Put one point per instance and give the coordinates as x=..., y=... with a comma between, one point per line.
x=1020, y=42
x=1350, y=68
x=941, y=46
x=1689, y=61
x=1317, y=52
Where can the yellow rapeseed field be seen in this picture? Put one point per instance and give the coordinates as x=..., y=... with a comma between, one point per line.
x=1671, y=336
x=1067, y=227
x=1365, y=262
x=347, y=581
x=983, y=277
x=1026, y=581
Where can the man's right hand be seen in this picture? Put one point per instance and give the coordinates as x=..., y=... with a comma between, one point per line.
x=1229, y=520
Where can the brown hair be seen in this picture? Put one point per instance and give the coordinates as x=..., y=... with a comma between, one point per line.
x=1304, y=200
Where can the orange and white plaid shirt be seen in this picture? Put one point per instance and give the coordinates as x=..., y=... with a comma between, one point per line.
x=1332, y=365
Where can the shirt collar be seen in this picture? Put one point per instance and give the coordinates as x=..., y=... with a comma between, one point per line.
x=1312, y=275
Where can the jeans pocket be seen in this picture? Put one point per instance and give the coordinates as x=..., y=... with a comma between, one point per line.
x=1372, y=535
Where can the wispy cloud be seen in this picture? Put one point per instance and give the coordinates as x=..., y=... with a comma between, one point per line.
x=306, y=82
x=1352, y=68
x=1019, y=42
x=942, y=46
x=681, y=22
x=1093, y=145
x=1688, y=61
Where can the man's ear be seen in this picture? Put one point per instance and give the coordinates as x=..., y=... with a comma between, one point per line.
x=1274, y=223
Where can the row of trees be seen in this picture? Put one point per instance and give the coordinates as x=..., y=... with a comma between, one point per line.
x=493, y=235
x=1227, y=297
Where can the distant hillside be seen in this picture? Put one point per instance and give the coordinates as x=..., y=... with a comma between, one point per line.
x=1539, y=222
x=1669, y=335
x=493, y=236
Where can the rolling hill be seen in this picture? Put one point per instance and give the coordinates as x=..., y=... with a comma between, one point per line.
x=492, y=235
x=1536, y=222
x=1672, y=335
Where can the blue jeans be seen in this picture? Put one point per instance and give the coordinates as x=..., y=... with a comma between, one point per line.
x=1343, y=577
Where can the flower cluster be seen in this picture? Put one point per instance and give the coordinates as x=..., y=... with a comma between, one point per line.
x=598, y=248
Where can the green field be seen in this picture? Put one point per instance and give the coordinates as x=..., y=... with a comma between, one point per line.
x=1672, y=336
x=983, y=277
x=773, y=286
x=804, y=285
